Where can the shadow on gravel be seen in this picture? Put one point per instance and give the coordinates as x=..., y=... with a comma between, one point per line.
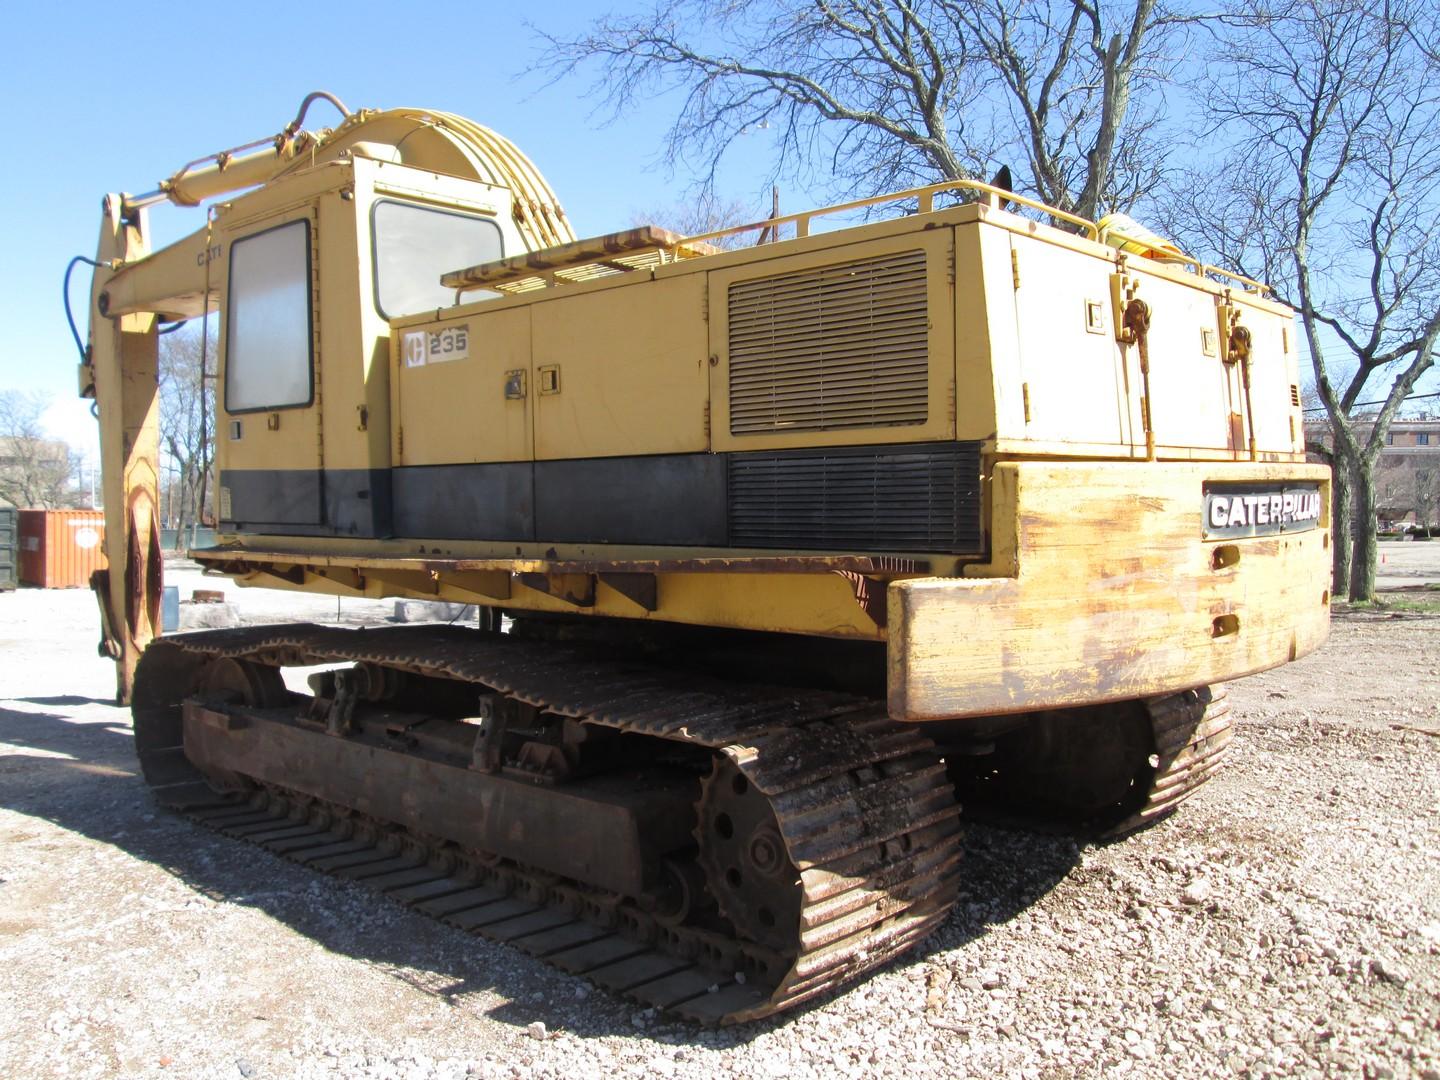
x=93, y=789
x=1007, y=871
x=66, y=700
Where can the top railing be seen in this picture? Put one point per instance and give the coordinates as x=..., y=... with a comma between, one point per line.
x=925, y=198
x=648, y=247
x=996, y=198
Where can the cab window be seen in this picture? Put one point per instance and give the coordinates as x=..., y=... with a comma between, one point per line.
x=414, y=245
x=268, y=331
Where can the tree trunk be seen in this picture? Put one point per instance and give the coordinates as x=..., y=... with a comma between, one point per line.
x=1362, y=563
x=192, y=505
x=1340, y=526
x=183, y=509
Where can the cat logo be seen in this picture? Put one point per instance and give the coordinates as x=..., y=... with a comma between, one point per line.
x=414, y=349
x=1240, y=510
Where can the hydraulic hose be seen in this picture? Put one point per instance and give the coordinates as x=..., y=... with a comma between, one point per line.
x=310, y=99
x=69, y=315
x=165, y=328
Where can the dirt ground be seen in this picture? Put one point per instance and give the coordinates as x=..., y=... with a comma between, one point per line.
x=1285, y=922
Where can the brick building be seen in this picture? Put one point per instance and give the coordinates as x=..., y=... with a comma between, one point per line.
x=1407, y=476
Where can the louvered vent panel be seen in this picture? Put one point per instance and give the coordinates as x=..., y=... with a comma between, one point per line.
x=838, y=347
x=922, y=497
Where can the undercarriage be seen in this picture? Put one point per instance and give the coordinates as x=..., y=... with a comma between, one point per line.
x=719, y=848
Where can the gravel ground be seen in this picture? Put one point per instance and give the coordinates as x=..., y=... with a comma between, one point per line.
x=1285, y=922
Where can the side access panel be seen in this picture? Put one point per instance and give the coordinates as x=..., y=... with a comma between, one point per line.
x=622, y=371
x=1076, y=388
x=463, y=433
x=1196, y=399
x=621, y=387
x=1274, y=377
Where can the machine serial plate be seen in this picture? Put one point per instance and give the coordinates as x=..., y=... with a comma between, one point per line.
x=423, y=347
x=1233, y=510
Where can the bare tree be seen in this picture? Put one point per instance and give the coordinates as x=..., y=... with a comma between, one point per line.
x=1331, y=192
x=705, y=213
x=187, y=426
x=1394, y=487
x=35, y=470
x=1427, y=494
x=885, y=94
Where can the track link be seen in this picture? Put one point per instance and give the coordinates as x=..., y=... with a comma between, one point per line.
x=863, y=805
x=1171, y=745
x=1192, y=732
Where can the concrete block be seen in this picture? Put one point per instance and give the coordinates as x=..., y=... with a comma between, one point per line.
x=414, y=611
x=208, y=616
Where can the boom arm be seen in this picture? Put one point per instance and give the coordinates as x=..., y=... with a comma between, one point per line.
x=121, y=374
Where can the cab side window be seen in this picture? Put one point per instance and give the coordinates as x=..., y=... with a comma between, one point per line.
x=414, y=245
x=268, y=326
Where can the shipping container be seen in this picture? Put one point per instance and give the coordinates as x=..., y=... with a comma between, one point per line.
x=60, y=549
x=9, y=548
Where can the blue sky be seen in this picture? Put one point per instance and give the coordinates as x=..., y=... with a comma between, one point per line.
x=100, y=98
x=105, y=99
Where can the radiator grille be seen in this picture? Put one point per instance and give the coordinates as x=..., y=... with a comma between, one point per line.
x=871, y=499
x=842, y=346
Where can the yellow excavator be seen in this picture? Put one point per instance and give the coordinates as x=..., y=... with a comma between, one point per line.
x=780, y=551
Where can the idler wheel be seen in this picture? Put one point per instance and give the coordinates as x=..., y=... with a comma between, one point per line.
x=746, y=863
x=244, y=683
x=239, y=682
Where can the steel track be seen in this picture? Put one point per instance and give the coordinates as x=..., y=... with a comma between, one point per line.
x=1192, y=732
x=863, y=805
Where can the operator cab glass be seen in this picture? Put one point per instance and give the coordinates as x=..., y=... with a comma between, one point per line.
x=414, y=245
x=268, y=324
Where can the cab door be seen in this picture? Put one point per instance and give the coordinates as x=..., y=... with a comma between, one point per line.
x=271, y=455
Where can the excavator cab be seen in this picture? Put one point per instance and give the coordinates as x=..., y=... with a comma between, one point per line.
x=311, y=269
x=340, y=231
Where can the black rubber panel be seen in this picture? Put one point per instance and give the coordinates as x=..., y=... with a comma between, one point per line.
x=918, y=497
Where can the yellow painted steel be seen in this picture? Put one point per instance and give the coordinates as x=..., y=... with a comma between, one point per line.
x=133, y=286
x=817, y=604
x=122, y=374
x=625, y=382
x=1101, y=587
x=1022, y=351
x=499, y=427
x=424, y=139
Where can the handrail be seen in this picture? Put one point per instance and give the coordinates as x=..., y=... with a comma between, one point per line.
x=925, y=199
x=924, y=196
x=1254, y=286
x=1116, y=236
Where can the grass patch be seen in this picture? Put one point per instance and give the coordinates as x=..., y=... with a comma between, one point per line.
x=1416, y=600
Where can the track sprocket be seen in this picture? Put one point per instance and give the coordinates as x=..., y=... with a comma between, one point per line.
x=745, y=859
